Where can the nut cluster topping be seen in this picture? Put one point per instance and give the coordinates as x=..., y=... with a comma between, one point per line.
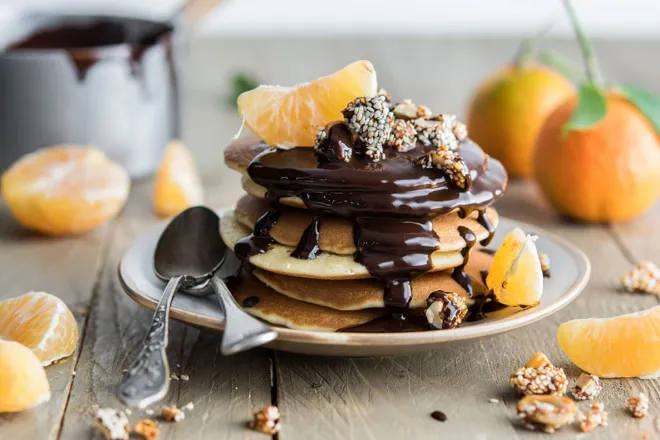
x=546, y=413
x=404, y=136
x=639, y=406
x=371, y=120
x=539, y=376
x=111, y=423
x=545, y=264
x=332, y=143
x=643, y=278
x=587, y=387
x=147, y=429
x=172, y=414
x=267, y=420
x=445, y=310
x=437, y=131
x=451, y=163
x=595, y=417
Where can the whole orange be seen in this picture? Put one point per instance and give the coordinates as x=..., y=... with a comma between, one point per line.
x=610, y=172
x=507, y=112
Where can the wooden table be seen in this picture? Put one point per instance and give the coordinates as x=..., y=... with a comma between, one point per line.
x=320, y=397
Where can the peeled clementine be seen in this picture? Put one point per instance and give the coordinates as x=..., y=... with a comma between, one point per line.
x=177, y=185
x=622, y=346
x=65, y=189
x=289, y=117
x=23, y=379
x=610, y=172
x=508, y=110
x=41, y=322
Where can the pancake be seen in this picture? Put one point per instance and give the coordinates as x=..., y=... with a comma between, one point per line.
x=368, y=293
x=277, y=258
x=240, y=153
x=336, y=233
x=282, y=310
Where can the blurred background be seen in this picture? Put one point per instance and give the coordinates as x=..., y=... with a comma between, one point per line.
x=434, y=52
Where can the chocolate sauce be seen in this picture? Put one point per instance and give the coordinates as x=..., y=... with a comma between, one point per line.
x=459, y=275
x=487, y=251
x=308, y=246
x=250, y=301
x=439, y=416
x=484, y=275
x=392, y=324
x=259, y=241
x=391, y=203
x=488, y=225
x=483, y=305
x=88, y=40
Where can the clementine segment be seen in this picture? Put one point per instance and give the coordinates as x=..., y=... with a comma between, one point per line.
x=288, y=117
x=23, y=379
x=606, y=173
x=41, y=322
x=622, y=346
x=65, y=189
x=508, y=110
x=177, y=185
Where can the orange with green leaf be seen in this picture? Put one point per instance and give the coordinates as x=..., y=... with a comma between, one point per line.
x=597, y=157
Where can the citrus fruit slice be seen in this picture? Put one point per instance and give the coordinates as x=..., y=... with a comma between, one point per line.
x=23, y=379
x=622, y=346
x=516, y=277
x=65, y=189
x=288, y=117
x=177, y=185
x=41, y=322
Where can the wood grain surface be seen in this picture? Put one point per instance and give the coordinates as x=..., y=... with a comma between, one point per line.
x=320, y=397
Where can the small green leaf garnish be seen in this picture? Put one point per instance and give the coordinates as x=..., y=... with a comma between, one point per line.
x=646, y=102
x=591, y=109
x=240, y=83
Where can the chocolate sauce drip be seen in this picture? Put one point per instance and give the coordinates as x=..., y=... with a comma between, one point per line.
x=484, y=275
x=308, y=246
x=392, y=324
x=439, y=416
x=250, y=301
x=483, y=305
x=88, y=40
x=259, y=241
x=395, y=251
x=486, y=223
x=459, y=275
x=487, y=251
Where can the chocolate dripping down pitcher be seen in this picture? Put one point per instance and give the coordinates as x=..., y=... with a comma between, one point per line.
x=107, y=81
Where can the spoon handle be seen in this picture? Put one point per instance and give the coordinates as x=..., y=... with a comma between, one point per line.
x=242, y=331
x=148, y=378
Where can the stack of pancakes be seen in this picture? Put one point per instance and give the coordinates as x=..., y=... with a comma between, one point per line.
x=319, y=261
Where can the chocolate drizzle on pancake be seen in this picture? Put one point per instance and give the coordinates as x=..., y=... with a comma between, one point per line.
x=486, y=223
x=391, y=202
x=459, y=275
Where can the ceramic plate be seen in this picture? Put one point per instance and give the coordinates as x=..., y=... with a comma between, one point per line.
x=570, y=273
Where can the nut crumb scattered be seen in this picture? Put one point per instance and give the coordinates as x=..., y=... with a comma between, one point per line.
x=445, y=310
x=639, y=406
x=595, y=417
x=124, y=371
x=147, y=429
x=545, y=264
x=587, y=387
x=172, y=414
x=267, y=420
x=188, y=406
x=493, y=401
x=539, y=376
x=546, y=413
x=128, y=411
x=184, y=377
x=149, y=412
x=111, y=423
x=643, y=278
x=174, y=376
x=73, y=373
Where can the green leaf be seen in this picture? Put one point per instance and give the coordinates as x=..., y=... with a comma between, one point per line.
x=646, y=102
x=591, y=109
x=240, y=83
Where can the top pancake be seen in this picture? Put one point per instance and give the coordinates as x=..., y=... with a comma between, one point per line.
x=336, y=233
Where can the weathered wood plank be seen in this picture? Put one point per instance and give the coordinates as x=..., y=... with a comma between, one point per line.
x=393, y=397
x=33, y=262
x=225, y=390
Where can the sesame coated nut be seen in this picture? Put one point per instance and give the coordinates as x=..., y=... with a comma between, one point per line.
x=147, y=429
x=643, y=278
x=546, y=413
x=371, y=121
x=445, y=310
x=539, y=376
x=451, y=163
x=595, y=417
x=404, y=136
x=267, y=420
x=437, y=131
x=587, y=387
x=639, y=406
x=111, y=423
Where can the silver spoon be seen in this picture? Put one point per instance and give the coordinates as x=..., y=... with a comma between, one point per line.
x=190, y=255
